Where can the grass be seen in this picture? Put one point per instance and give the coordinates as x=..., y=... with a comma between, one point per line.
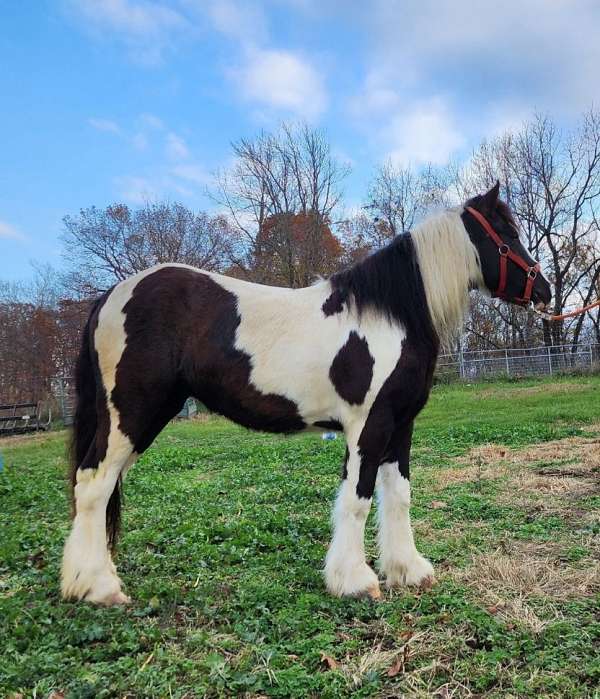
x=225, y=533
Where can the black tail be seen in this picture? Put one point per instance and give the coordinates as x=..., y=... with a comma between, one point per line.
x=85, y=422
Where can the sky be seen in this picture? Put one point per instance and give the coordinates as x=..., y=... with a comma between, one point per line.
x=105, y=101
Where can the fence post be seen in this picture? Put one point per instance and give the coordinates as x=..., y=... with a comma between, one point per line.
x=506, y=361
x=61, y=396
x=549, y=360
x=591, y=357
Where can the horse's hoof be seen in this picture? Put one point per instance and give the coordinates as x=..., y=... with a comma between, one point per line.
x=114, y=600
x=427, y=583
x=374, y=592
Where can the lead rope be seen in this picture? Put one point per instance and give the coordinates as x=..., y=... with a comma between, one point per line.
x=571, y=314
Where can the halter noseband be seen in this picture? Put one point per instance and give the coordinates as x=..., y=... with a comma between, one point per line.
x=505, y=254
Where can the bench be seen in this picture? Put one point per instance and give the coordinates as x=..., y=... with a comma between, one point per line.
x=19, y=418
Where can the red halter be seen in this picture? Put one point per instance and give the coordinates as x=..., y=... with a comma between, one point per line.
x=505, y=254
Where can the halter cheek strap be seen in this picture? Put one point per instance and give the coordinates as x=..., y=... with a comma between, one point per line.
x=507, y=254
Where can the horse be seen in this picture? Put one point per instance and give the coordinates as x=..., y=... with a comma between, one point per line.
x=354, y=353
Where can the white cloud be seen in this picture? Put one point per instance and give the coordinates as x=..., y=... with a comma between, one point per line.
x=145, y=26
x=274, y=80
x=151, y=121
x=173, y=171
x=281, y=80
x=104, y=125
x=140, y=17
x=191, y=172
x=8, y=232
x=176, y=148
x=537, y=53
x=506, y=116
x=138, y=190
x=139, y=141
x=244, y=21
x=375, y=98
x=425, y=133
x=405, y=129
x=183, y=181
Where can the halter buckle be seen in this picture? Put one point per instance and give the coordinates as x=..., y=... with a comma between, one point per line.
x=532, y=273
x=504, y=249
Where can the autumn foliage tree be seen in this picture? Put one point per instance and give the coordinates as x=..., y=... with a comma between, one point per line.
x=291, y=248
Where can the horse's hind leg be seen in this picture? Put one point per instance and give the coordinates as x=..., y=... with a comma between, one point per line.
x=88, y=572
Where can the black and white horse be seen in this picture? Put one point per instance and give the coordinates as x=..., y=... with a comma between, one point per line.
x=354, y=353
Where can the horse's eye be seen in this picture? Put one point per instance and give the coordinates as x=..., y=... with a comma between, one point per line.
x=513, y=231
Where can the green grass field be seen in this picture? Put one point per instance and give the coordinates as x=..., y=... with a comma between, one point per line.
x=225, y=533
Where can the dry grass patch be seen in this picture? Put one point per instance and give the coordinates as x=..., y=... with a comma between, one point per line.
x=517, y=574
x=567, y=471
x=549, y=495
x=581, y=453
x=31, y=438
x=566, y=466
x=516, y=392
x=407, y=656
x=524, y=582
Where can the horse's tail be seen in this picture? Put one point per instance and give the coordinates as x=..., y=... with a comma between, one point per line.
x=85, y=422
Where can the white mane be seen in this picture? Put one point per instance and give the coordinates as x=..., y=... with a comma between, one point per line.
x=449, y=265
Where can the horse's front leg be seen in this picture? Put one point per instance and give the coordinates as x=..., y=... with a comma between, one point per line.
x=346, y=570
x=399, y=560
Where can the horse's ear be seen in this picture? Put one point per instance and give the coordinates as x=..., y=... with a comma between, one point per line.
x=490, y=199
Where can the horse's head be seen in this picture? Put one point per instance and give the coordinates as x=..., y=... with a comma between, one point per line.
x=509, y=272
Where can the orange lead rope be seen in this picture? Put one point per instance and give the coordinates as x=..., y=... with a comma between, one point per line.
x=571, y=314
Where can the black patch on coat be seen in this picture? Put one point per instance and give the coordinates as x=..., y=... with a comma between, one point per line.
x=402, y=396
x=398, y=449
x=345, y=464
x=351, y=371
x=333, y=304
x=334, y=425
x=181, y=327
x=389, y=282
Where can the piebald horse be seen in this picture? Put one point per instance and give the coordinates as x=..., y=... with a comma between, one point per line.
x=355, y=353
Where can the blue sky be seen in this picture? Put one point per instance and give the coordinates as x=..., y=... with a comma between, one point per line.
x=129, y=100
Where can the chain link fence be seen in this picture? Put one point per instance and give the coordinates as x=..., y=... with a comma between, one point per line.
x=63, y=392
x=58, y=395
x=528, y=361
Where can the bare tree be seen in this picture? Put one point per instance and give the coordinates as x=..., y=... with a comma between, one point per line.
x=558, y=191
x=398, y=196
x=360, y=235
x=102, y=246
x=551, y=181
x=275, y=178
